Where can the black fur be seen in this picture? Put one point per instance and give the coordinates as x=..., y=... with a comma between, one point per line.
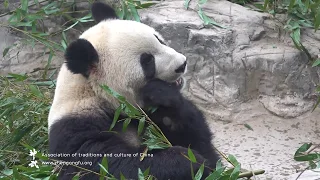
x=188, y=124
x=88, y=134
x=81, y=57
x=101, y=11
x=148, y=65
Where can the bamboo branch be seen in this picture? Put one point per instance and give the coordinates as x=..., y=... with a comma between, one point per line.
x=250, y=173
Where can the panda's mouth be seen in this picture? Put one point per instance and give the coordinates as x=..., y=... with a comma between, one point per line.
x=179, y=83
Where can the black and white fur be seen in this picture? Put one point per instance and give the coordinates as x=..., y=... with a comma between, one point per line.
x=132, y=59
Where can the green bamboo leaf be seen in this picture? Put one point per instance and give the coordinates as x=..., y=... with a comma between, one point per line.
x=191, y=156
x=312, y=165
x=5, y=51
x=235, y=173
x=36, y=2
x=7, y=172
x=134, y=12
x=6, y=3
x=317, y=104
x=265, y=5
x=16, y=174
x=302, y=149
x=296, y=43
x=186, y=3
x=248, y=126
x=21, y=24
x=64, y=45
x=202, y=2
x=125, y=124
x=216, y=174
x=24, y=5
x=113, y=93
x=317, y=20
x=206, y=20
x=71, y=26
x=120, y=13
x=141, y=125
x=233, y=160
x=87, y=18
x=122, y=176
x=103, y=168
x=307, y=157
x=76, y=177
x=64, y=37
x=116, y=117
x=145, y=5
x=146, y=172
x=316, y=62
x=291, y=4
x=35, y=91
x=140, y=174
x=218, y=164
x=21, y=132
x=199, y=174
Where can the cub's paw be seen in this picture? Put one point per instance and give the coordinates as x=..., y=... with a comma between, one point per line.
x=160, y=93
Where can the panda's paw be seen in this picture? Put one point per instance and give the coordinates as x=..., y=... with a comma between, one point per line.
x=160, y=93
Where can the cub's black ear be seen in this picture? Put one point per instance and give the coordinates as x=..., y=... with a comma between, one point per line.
x=81, y=57
x=101, y=11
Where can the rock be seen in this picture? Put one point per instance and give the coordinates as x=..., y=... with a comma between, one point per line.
x=249, y=73
x=248, y=59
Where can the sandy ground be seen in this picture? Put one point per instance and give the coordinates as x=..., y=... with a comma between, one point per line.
x=270, y=145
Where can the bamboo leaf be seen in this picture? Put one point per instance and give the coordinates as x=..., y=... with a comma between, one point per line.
x=191, y=156
x=199, y=174
x=140, y=174
x=103, y=168
x=141, y=125
x=316, y=62
x=202, y=2
x=186, y=3
x=235, y=173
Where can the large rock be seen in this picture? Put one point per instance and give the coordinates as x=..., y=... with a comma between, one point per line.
x=248, y=60
x=249, y=73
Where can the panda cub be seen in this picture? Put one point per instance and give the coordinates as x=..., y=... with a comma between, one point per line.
x=132, y=59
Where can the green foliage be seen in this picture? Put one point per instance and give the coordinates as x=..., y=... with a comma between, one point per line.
x=300, y=14
x=153, y=136
x=206, y=20
x=24, y=109
x=307, y=153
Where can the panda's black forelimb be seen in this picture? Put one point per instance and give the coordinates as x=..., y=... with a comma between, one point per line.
x=179, y=119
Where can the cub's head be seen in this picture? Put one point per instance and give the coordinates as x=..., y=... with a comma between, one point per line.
x=123, y=55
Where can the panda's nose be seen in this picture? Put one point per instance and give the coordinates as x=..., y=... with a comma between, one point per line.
x=181, y=68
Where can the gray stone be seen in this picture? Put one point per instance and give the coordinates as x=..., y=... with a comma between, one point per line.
x=249, y=73
x=238, y=64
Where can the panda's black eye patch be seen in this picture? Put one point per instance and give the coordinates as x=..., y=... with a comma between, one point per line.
x=148, y=65
x=160, y=40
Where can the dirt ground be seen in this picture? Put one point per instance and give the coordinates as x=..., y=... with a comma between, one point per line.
x=271, y=144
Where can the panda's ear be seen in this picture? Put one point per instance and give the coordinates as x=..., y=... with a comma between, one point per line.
x=101, y=11
x=81, y=57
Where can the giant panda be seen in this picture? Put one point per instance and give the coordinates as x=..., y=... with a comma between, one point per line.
x=133, y=60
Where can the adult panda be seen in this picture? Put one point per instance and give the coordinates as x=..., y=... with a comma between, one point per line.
x=132, y=59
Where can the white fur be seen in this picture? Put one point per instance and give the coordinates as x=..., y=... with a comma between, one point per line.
x=119, y=45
